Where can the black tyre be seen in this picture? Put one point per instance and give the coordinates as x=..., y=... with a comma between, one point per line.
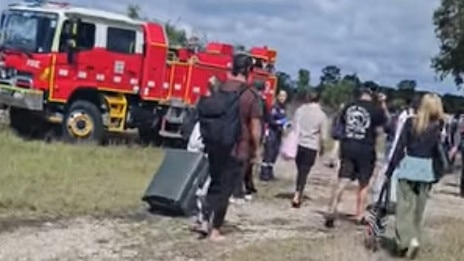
x=83, y=123
x=149, y=133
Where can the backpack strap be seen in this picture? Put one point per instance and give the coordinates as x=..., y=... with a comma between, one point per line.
x=243, y=88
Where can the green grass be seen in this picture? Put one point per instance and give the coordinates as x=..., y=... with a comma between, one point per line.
x=47, y=181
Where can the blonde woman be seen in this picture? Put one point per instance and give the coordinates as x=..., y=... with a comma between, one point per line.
x=413, y=163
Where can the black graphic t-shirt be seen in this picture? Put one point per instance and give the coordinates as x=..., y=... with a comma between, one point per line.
x=361, y=119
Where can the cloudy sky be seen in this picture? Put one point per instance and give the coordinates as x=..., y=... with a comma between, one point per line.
x=386, y=41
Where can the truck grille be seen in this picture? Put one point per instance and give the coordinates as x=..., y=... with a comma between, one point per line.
x=10, y=76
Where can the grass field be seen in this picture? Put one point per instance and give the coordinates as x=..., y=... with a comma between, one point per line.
x=48, y=181
x=343, y=247
x=40, y=181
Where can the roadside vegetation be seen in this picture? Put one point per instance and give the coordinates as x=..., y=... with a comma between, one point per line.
x=40, y=181
x=446, y=245
x=48, y=182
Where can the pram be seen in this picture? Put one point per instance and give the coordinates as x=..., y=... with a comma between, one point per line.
x=376, y=218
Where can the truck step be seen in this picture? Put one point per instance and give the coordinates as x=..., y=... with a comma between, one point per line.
x=117, y=111
x=168, y=134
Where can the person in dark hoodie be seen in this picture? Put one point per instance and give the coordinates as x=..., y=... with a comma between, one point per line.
x=273, y=138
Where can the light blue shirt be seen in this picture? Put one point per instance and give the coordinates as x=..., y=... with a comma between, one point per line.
x=415, y=169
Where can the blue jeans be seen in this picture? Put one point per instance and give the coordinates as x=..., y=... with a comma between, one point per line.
x=271, y=152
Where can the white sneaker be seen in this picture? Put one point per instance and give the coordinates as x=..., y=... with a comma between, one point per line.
x=248, y=197
x=413, y=249
x=236, y=201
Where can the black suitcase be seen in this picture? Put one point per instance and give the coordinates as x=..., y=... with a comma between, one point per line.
x=173, y=188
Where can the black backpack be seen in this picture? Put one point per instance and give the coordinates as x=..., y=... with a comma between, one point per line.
x=219, y=117
x=337, y=130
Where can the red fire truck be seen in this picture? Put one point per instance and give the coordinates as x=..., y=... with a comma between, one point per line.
x=95, y=72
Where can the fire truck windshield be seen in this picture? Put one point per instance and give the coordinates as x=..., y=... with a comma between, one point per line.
x=26, y=31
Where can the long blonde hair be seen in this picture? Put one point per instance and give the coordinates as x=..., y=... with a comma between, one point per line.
x=430, y=110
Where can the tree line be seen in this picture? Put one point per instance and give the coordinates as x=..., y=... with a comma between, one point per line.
x=336, y=88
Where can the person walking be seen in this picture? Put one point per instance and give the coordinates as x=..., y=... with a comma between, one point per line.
x=361, y=120
x=273, y=138
x=250, y=187
x=413, y=164
x=402, y=117
x=398, y=122
x=458, y=147
x=312, y=131
x=228, y=164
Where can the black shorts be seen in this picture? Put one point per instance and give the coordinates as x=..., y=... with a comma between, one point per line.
x=357, y=163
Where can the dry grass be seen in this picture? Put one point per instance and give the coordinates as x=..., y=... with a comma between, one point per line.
x=46, y=181
x=446, y=246
x=344, y=248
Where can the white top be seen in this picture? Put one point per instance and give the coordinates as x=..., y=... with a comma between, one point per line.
x=311, y=124
x=404, y=115
x=195, y=143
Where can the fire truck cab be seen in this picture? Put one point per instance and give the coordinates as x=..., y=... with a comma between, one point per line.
x=94, y=72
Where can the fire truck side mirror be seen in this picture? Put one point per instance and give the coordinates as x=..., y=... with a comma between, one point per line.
x=72, y=43
x=71, y=50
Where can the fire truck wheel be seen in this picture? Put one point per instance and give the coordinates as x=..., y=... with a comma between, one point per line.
x=83, y=122
x=149, y=136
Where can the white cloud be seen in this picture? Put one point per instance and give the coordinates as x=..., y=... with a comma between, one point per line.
x=386, y=41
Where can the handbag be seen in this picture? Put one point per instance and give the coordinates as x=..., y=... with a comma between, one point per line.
x=337, y=130
x=289, y=145
x=441, y=162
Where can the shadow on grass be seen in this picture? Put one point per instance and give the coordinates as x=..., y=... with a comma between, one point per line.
x=158, y=211
x=451, y=184
x=342, y=216
x=289, y=196
x=388, y=244
x=449, y=193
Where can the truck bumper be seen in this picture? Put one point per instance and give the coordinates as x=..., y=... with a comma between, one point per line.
x=21, y=98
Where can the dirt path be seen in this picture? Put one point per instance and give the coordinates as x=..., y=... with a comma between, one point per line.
x=267, y=218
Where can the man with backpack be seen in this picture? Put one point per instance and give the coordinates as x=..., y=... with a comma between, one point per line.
x=230, y=124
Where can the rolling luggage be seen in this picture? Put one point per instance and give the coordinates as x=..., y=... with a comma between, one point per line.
x=174, y=187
